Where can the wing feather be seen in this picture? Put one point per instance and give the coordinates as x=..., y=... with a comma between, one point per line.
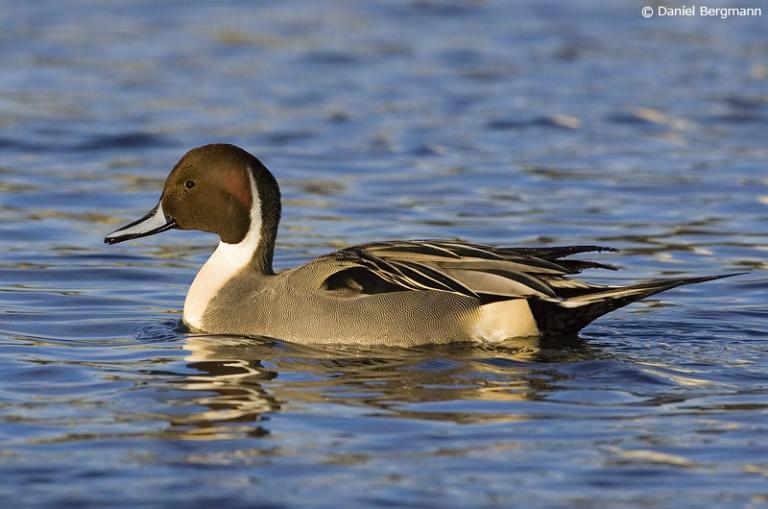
x=464, y=268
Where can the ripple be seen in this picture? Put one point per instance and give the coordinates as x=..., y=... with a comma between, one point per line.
x=130, y=140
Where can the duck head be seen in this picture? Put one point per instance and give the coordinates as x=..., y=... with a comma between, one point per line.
x=221, y=189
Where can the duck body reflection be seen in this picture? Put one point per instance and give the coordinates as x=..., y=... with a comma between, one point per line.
x=242, y=379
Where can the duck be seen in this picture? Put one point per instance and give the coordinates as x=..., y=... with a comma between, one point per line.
x=400, y=293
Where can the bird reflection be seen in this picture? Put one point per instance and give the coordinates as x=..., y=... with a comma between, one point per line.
x=242, y=381
x=229, y=377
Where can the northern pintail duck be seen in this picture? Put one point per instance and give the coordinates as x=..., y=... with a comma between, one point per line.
x=402, y=293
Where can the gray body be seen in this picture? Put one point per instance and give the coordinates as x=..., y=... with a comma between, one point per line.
x=284, y=306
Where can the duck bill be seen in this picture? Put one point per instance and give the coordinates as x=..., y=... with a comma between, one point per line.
x=154, y=222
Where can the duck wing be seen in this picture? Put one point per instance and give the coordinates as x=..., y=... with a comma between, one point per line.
x=560, y=304
x=483, y=272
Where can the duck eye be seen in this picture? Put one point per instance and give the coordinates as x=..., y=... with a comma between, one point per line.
x=189, y=184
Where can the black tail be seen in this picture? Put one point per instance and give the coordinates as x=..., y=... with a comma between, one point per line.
x=569, y=316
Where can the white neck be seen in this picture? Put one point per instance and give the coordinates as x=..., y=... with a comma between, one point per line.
x=223, y=265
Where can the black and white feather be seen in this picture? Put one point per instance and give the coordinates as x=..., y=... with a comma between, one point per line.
x=560, y=304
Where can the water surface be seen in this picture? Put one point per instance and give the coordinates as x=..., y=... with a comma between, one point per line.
x=536, y=123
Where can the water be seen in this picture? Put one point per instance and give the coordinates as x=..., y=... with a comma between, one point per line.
x=503, y=122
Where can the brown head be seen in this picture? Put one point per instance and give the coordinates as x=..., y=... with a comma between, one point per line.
x=217, y=188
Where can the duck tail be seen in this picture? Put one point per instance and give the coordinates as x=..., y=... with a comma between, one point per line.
x=566, y=317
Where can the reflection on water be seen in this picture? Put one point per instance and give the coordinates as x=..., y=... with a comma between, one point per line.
x=500, y=122
x=238, y=372
x=245, y=378
x=231, y=375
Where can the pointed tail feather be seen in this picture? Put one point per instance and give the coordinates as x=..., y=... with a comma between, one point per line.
x=553, y=253
x=569, y=316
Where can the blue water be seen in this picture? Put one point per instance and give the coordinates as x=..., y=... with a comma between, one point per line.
x=527, y=122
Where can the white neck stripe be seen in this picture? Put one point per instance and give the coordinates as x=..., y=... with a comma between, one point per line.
x=223, y=265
